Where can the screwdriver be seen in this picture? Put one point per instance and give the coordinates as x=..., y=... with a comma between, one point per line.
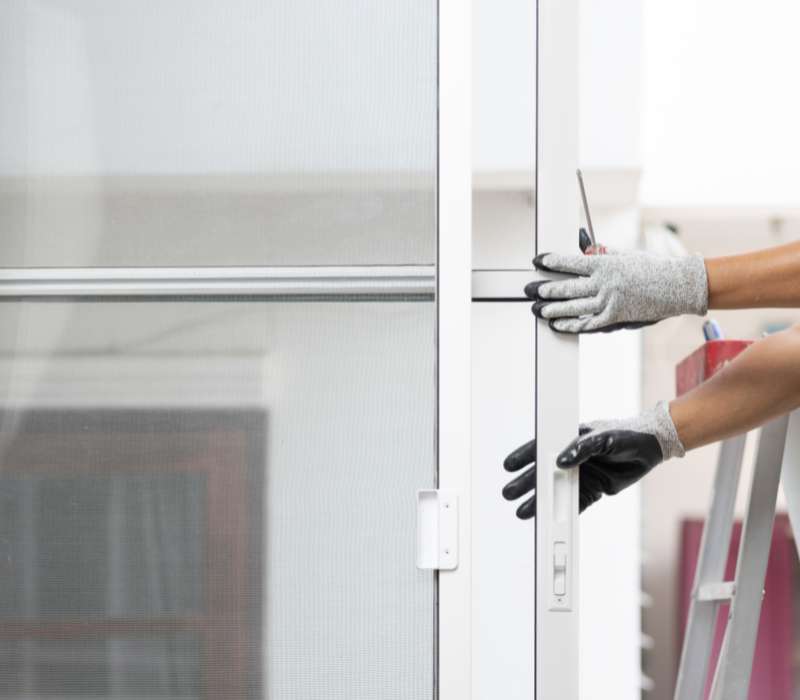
x=587, y=241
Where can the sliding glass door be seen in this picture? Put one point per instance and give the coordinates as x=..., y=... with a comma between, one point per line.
x=524, y=376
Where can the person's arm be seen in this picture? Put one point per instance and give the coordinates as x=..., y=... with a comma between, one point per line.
x=602, y=293
x=764, y=279
x=761, y=383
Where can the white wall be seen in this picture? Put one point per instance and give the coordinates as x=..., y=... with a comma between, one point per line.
x=721, y=107
x=610, y=84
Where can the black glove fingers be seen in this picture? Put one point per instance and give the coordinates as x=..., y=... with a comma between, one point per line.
x=581, y=449
x=521, y=457
x=532, y=289
x=524, y=483
x=536, y=309
x=528, y=509
x=577, y=264
x=539, y=265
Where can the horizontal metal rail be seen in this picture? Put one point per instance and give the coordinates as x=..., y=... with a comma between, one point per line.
x=21, y=283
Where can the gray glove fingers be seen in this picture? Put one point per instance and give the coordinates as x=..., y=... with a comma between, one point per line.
x=595, y=324
x=585, y=324
x=521, y=457
x=623, y=326
x=574, y=288
x=573, y=308
x=523, y=484
x=590, y=323
x=528, y=509
x=568, y=264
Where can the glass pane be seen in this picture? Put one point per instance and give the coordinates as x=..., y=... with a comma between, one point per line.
x=196, y=132
x=217, y=500
x=504, y=134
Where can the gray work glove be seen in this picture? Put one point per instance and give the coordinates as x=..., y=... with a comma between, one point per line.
x=611, y=455
x=618, y=290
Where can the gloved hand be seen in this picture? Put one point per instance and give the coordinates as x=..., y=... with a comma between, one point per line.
x=618, y=290
x=611, y=455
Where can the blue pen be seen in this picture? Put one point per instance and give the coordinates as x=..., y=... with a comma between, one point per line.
x=712, y=331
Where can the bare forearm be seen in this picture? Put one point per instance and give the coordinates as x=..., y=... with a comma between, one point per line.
x=761, y=383
x=763, y=279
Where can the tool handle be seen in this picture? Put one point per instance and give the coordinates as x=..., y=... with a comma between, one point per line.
x=586, y=245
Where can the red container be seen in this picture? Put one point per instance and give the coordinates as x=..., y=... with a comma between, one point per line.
x=707, y=360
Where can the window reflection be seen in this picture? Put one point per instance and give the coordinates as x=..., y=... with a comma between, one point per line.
x=215, y=499
x=133, y=554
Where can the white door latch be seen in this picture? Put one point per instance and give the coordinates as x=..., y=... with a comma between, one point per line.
x=437, y=529
x=564, y=488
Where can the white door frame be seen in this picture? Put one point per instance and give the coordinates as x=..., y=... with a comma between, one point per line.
x=556, y=355
x=544, y=647
x=454, y=254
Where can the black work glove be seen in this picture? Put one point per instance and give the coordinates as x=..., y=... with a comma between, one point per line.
x=611, y=456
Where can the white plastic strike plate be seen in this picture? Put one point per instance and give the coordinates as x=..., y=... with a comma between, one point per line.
x=437, y=529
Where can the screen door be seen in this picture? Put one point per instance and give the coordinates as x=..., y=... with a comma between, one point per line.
x=218, y=234
x=235, y=313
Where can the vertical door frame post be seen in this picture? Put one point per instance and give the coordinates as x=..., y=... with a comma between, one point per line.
x=453, y=298
x=556, y=356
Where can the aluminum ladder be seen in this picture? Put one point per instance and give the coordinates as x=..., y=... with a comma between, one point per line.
x=777, y=459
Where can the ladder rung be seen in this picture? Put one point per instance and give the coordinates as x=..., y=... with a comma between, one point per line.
x=719, y=590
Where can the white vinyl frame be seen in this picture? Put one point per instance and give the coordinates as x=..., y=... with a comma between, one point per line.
x=556, y=355
x=526, y=641
x=524, y=636
x=454, y=253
